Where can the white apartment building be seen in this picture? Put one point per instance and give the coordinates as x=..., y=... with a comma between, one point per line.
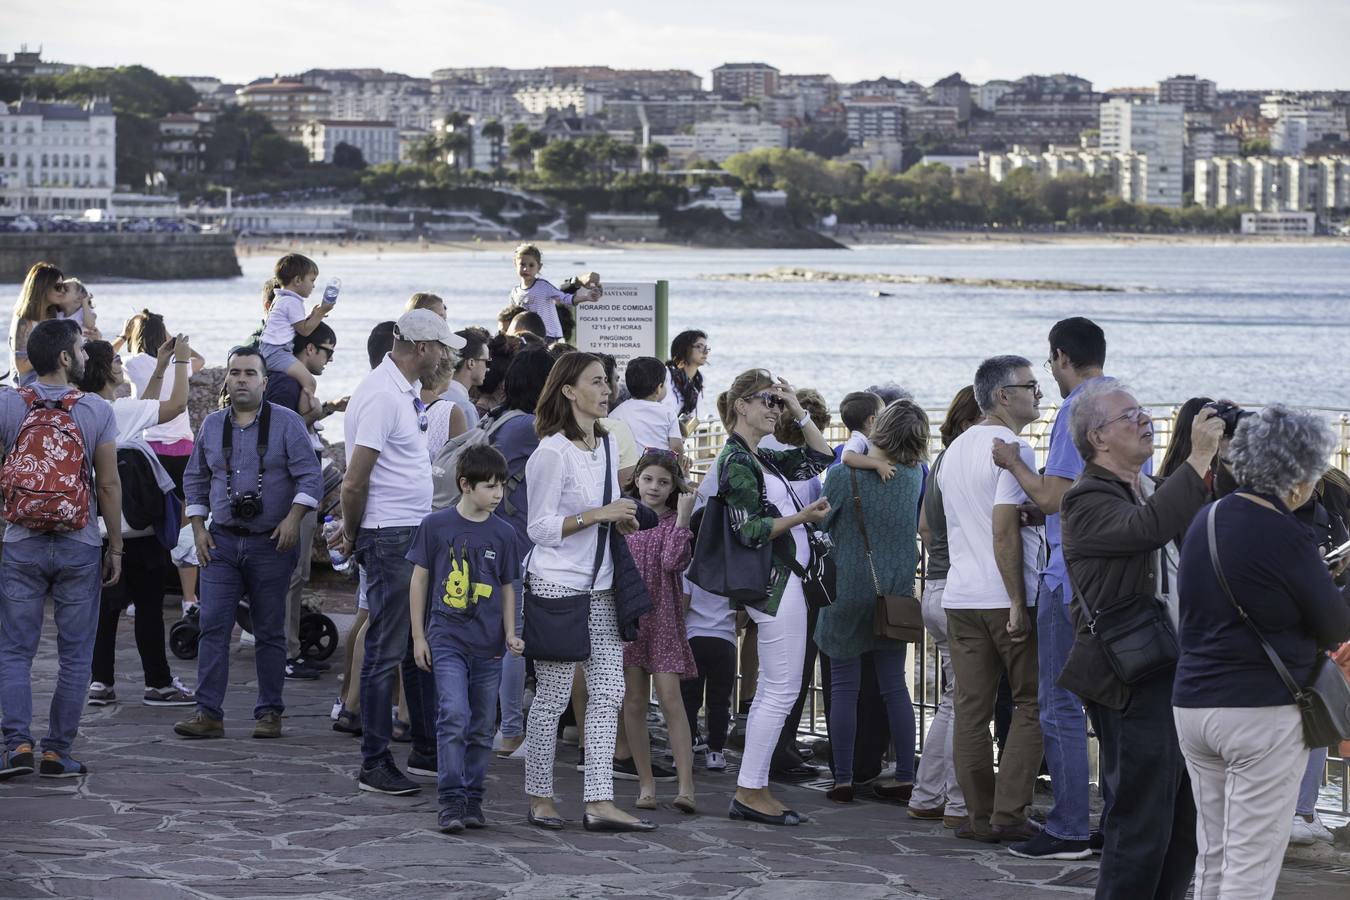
x=540, y=99
x=907, y=93
x=289, y=105
x=745, y=80
x=1271, y=184
x=1127, y=171
x=815, y=91
x=377, y=141
x=719, y=141
x=1155, y=130
x=1190, y=91
x=874, y=117
x=877, y=153
x=1298, y=126
x=986, y=96
x=374, y=95
x=57, y=157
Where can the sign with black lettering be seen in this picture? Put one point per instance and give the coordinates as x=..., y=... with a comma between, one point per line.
x=628, y=321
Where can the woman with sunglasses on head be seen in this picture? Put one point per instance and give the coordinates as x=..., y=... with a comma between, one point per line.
x=567, y=479
x=44, y=295
x=754, y=485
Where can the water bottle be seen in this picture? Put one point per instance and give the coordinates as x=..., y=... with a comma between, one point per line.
x=331, y=527
x=330, y=293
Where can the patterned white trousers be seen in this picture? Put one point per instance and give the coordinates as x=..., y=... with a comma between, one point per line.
x=553, y=691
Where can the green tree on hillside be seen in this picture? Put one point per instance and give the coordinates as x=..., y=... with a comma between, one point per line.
x=656, y=154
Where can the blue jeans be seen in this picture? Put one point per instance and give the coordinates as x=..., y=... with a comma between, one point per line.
x=512, y=695
x=1311, y=783
x=1063, y=723
x=383, y=553
x=71, y=573
x=466, y=690
x=243, y=566
x=845, y=683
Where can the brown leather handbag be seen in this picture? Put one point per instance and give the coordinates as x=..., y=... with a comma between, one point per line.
x=896, y=617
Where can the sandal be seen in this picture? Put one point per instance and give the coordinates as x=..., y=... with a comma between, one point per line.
x=685, y=804
x=645, y=802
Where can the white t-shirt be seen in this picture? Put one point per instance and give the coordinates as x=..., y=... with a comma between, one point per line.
x=674, y=400
x=971, y=487
x=133, y=418
x=653, y=423
x=382, y=415
x=287, y=309
x=856, y=443
x=140, y=369
x=562, y=480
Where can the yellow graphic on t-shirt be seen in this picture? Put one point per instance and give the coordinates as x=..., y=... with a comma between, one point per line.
x=460, y=588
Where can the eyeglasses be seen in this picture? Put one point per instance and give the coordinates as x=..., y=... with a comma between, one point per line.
x=706, y=348
x=1133, y=414
x=664, y=452
x=1033, y=386
x=327, y=350
x=422, y=421
x=772, y=401
x=1049, y=364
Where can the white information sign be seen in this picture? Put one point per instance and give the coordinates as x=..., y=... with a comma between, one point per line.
x=622, y=323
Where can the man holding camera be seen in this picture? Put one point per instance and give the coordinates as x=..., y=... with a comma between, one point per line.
x=253, y=470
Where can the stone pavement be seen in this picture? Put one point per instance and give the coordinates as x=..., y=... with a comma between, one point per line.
x=162, y=817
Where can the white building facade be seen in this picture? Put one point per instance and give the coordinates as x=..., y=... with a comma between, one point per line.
x=57, y=157
x=1155, y=130
x=377, y=141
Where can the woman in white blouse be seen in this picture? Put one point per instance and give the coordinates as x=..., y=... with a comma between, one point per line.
x=565, y=479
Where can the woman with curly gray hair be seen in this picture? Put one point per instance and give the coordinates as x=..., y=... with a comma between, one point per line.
x=1239, y=728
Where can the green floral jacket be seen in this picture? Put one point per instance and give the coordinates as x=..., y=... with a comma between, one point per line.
x=741, y=486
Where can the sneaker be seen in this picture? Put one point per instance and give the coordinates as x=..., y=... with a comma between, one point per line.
x=348, y=723
x=626, y=770
x=385, y=778
x=54, y=765
x=700, y=744
x=246, y=639
x=918, y=812
x=423, y=764
x=101, y=694
x=509, y=745
x=717, y=762
x=176, y=694
x=299, y=669
x=268, y=726
x=200, y=725
x=967, y=832
x=1097, y=842
x=473, y=814
x=1046, y=846
x=451, y=818
x=1024, y=830
x=18, y=761
x=1309, y=830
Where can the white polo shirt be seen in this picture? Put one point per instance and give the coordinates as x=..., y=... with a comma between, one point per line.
x=382, y=415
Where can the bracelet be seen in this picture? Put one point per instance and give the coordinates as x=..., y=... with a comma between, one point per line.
x=802, y=422
x=116, y=552
x=182, y=362
x=581, y=522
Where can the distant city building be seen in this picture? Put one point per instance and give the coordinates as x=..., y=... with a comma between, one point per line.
x=987, y=95
x=719, y=141
x=1155, y=130
x=1270, y=184
x=905, y=93
x=953, y=91
x=877, y=153
x=600, y=78
x=1298, y=126
x=745, y=80
x=1127, y=172
x=816, y=91
x=783, y=108
x=1191, y=92
x=940, y=122
x=181, y=147
x=57, y=157
x=670, y=113
x=1038, y=111
x=374, y=95
x=956, y=162
x=288, y=104
x=475, y=98
x=874, y=118
x=27, y=63
x=539, y=100
x=1284, y=224
x=377, y=141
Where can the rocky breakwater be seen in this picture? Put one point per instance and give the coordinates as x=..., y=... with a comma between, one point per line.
x=149, y=255
x=787, y=274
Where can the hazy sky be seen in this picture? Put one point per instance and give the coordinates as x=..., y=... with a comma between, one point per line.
x=1238, y=43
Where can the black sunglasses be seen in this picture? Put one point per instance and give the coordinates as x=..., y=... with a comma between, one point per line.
x=422, y=421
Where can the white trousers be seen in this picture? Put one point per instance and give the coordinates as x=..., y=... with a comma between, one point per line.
x=935, y=783
x=1245, y=766
x=782, y=653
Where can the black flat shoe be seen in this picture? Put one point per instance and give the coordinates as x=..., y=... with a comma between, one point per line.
x=897, y=792
x=742, y=813
x=799, y=772
x=549, y=823
x=840, y=793
x=599, y=823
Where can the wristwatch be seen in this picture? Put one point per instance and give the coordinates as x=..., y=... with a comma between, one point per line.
x=806, y=417
x=581, y=522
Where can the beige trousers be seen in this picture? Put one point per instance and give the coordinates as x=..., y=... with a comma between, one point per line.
x=1245, y=766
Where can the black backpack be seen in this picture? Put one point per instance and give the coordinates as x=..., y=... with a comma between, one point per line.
x=142, y=500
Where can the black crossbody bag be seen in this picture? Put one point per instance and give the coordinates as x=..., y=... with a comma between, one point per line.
x=558, y=629
x=1324, y=704
x=818, y=577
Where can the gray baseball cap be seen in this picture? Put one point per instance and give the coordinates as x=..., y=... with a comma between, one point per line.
x=425, y=325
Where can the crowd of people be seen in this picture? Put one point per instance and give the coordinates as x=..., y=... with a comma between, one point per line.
x=531, y=546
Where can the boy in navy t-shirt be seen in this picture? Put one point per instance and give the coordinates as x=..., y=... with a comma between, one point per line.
x=463, y=606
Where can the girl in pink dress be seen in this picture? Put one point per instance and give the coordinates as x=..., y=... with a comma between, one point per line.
x=661, y=653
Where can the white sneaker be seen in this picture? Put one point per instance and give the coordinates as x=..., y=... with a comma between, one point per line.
x=131, y=610
x=1305, y=833
x=246, y=639
x=717, y=762
x=101, y=694
x=337, y=709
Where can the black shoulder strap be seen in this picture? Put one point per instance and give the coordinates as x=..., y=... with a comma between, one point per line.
x=1274, y=657
x=602, y=530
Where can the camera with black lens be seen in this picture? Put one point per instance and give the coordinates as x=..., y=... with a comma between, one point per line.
x=246, y=507
x=1228, y=413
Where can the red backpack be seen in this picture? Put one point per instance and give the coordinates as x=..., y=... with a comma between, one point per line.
x=44, y=481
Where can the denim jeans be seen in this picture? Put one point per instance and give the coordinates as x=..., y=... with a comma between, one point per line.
x=1063, y=723
x=243, y=566
x=845, y=684
x=383, y=553
x=512, y=695
x=466, y=691
x=70, y=572
x=1312, y=782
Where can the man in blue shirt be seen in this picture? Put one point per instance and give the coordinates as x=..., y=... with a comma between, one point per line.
x=254, y=472
x=1077, y=354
